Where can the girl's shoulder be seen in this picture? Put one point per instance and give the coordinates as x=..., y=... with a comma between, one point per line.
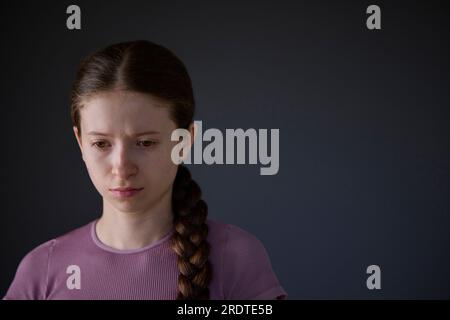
x=235, y=242
x=231, y=236
x=73, y=238
x=242, y=263
x=31, y=278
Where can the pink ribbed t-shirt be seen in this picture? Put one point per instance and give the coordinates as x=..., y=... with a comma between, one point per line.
x=78, y=266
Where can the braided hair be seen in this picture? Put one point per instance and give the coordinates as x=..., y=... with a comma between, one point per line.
x=189, y=240
x=146, y=67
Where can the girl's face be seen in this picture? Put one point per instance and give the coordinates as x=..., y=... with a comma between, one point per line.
x=125, y=143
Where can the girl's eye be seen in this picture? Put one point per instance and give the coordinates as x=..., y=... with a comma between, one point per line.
x=100, y=144
x=146, y=143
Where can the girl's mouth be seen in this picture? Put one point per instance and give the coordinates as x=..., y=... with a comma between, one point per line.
x=125, y=192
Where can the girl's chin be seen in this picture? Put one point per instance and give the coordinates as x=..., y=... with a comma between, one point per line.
x=129, y=208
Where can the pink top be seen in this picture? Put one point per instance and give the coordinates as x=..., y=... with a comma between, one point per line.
x=78, y=266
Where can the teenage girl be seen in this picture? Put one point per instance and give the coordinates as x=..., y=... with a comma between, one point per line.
x=153, y=239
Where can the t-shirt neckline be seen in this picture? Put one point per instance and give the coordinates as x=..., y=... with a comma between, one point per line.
x=105, y=247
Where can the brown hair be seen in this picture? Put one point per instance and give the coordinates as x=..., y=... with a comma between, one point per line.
x=145, y=67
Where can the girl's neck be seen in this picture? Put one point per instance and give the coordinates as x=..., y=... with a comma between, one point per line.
x=129, y=231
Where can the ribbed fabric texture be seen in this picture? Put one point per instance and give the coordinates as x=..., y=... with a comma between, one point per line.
x=78, y=266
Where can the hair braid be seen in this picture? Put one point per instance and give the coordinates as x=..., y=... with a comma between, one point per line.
x=189, y=240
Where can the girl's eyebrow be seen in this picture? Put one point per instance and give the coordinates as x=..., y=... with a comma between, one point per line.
x=96, y=133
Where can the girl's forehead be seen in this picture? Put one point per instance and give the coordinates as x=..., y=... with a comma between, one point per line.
x=125, y=110
x=125, y=102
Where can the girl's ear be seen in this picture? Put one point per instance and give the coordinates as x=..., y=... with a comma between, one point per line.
x=78, y=137
x=193, y=131
x=187, y=148
x=193, y=128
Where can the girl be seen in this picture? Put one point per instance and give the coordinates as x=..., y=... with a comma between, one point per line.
x=153, y=239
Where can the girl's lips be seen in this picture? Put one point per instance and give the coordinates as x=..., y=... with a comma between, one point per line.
x=126, y=192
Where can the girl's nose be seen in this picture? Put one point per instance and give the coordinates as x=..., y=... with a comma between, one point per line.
x=123, y=166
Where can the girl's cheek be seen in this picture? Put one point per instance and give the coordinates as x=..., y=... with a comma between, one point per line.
x=96, y=165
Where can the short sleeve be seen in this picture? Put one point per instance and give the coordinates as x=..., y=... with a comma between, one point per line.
x=247, y=270
x=30, y=281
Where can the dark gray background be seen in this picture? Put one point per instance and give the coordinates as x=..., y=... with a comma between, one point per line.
x=363, y=118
